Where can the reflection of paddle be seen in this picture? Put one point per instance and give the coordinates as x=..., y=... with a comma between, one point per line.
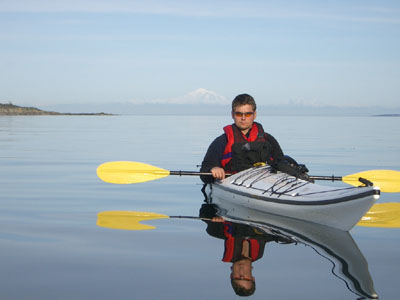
x=382, y=215
x=125, y=172
x=130, y=220
x=385, y=215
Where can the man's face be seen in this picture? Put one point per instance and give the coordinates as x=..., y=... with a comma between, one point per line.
x=242, y=120
x=241, y=273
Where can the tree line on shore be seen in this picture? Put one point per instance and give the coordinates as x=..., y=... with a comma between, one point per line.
x=10, y=109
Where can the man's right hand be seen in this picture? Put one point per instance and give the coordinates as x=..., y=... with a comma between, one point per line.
x=218, y=173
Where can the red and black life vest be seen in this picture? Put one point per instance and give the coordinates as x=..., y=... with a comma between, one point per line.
x=236, y=140
x=234, y=246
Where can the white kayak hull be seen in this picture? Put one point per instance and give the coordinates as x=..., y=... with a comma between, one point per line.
x=281, y=194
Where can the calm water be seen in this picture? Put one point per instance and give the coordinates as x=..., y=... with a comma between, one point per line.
x=51, y=247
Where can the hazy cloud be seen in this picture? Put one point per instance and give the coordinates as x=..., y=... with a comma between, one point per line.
x=386, y=13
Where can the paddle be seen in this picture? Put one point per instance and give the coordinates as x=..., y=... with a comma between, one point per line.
x=126, y=172
x=130, y=220
x=384, y=215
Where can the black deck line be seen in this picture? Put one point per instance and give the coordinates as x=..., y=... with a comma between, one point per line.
x=300, y=202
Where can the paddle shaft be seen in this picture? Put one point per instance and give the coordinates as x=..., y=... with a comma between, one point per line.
x=195, y=173
x=328, y=178
x=188, y=173
x=189, y=217
x=340, y=178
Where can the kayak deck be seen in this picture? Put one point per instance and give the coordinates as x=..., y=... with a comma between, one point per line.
x=262, y=189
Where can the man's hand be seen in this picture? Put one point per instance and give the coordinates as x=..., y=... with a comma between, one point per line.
x=218, y=173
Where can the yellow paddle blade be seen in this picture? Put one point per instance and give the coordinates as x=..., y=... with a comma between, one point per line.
x=387, y=180
x=382, y=215
x=127, y=220
x=125, y=172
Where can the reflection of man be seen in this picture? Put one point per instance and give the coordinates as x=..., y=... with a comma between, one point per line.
x=243, y=282
x=243, y=245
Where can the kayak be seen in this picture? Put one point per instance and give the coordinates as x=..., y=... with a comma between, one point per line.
x=336, y=246
x=263, y=189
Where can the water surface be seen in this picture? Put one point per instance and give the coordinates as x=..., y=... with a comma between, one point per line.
x=51, y=248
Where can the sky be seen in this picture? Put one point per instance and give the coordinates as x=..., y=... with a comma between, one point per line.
x=344, y=53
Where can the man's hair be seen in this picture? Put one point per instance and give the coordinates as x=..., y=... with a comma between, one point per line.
x=241, y=291
x=243, y=99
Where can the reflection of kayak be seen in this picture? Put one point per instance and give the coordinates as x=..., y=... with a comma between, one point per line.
x=337, y=246
x=278, y=193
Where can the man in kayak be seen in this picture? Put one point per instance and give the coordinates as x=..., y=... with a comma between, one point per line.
x=244, y=144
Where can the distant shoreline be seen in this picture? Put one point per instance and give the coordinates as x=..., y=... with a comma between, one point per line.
x=117, y=109
x=15, y=110
x=387, y=115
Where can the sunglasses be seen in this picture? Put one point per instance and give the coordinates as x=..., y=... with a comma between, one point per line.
x=246, y=114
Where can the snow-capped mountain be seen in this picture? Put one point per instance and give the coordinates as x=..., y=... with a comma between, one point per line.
x=198, y=96
x=203, y=96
